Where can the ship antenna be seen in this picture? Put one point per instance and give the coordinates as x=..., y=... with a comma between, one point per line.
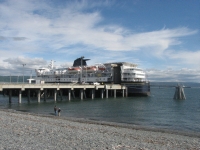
x=51, y=64
x=81, y=68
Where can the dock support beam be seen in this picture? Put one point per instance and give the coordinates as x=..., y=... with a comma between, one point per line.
x=114, y=93
x=10, y=96
x=61, y=94
x=81, y=94
x=122, y=92
x=92, y=90
x=111, y=93
x=45, y=94
x=69, y=94
x=55, y=94
x=20, y=96
x=85, y=96
x=73, y=94
x=126, y=92
x=102, y=90
x=3, y=92
x=106, y=93
x=38, y=95
x=29, y=92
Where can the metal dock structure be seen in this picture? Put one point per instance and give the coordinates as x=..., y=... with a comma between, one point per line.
x=81, y=91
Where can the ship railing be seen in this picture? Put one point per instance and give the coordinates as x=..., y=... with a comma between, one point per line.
x=134, y=80
x=16, y=83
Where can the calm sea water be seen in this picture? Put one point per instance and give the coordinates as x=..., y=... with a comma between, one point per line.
x=159, y=110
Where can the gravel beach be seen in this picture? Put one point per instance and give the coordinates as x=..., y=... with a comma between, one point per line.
x=26, y=131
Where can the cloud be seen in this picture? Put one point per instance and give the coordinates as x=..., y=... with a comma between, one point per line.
x=19, y=38
x=14, y=65
x=162, y=39
x=2, y=38
x=64, y=27
x=34, y=31
x=170, y=75
x=28, y=61
x=188, y=58
x=12, y=38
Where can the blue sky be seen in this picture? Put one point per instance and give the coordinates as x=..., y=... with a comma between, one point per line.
x=162, y=37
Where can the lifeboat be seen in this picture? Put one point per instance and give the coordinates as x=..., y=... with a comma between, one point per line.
x=90, y=68
x=101, y=68
x=74, y=69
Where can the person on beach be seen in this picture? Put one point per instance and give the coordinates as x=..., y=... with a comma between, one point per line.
x=55, y=110
x=59, y=110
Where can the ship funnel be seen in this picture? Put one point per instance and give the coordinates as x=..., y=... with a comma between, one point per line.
x=77, y=62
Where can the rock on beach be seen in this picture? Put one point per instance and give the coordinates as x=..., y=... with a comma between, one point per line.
x=26, y=131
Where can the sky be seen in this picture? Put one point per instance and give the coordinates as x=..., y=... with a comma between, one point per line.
x=161, y=36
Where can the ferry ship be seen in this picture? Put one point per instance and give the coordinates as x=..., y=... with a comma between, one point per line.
x=123, y=73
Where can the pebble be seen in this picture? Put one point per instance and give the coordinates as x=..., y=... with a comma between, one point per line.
x=29, y=132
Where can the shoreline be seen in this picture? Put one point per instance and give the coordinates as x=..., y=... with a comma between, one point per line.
x=22, y=130
x=108, y=123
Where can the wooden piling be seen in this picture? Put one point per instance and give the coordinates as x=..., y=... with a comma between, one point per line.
x=81, y=94
x=10, y=96
x=114, y=93
x=102, y=93
x=20, y=96
x=55, y=95
x=106, y=93
x=61, y=94
x=38, y=95
x=179, y=93
x=69, y=94
x=28, y=93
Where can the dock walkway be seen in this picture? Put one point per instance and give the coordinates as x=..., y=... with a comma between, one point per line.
x=69, y=89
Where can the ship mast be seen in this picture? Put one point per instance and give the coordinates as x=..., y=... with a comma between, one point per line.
x=51, y=64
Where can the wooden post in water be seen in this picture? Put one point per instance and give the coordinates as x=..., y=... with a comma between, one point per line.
x=69, y=94
x=179, y=93
x=45, y=94
x=102, y=92
x=81, y=94
x=55, y=95
x=114, y=93
x=61, y=94
x=29, y=92
x=10, y=96
x=20, y=96
x=92, y=90
x=122, y=92
x=106, y=93
x=111, y=93
x=126, y=92
x=85, y=96
x=4, y=93
x=38, y=95
x=73, y=93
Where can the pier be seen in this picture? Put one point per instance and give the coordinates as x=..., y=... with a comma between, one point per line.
x=72, y=91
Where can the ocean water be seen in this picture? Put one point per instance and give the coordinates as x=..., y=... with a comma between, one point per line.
x=159, y=110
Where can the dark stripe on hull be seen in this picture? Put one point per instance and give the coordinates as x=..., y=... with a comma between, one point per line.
x=138, y=89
